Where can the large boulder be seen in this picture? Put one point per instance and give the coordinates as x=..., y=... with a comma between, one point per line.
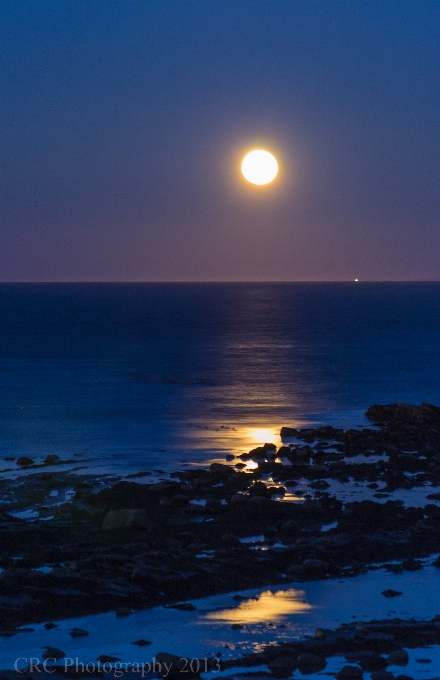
x=125, y=519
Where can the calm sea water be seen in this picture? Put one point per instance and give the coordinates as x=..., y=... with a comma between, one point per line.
x=144, y=376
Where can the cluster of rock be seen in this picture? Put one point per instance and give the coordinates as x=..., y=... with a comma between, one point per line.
x=133, y=545
x=371, y=647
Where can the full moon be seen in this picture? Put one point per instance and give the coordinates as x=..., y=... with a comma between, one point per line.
x=259, y=167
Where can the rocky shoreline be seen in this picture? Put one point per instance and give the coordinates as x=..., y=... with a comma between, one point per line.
x=366, y=647
x=133, y=545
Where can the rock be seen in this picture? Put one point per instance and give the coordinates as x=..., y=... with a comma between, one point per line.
x=288, y=432
x=270, y=533
x=240, y=498
x=425, y=415
x=106, y=658
x=230, y=541
x=76, y=510
x=350, y=673
x=162, y=487
x=144, y=576
x=291, y=528
x=183, y=606
x=319, y=484
x=311, y=506
x=259, y=500
x=412, y=565
x=311, y=663
x=269, y=447
x=180, y=499
x=24, y=461
x=50, y=625
x=369, y=661
x=282, y=666
x=403, y=677
x=125, y=519
x=391, y=593
x=122, y=611
x=213, y=504
x=79, y=632
x=258, y=453
x=221, y=470
x=53, y=653
x=259, y=489
x=124, y=495
x=277, y=490
x=399, y=657
x=142, y=643
x=51, y=459
x=382, y=675
x=173, y=666
x=313, y=567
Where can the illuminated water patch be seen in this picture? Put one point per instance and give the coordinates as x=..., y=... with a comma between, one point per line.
x=267, y=607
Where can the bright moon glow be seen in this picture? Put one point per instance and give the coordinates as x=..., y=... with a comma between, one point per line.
x=259, y=167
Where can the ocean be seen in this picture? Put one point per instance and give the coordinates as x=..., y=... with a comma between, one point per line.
x=152, y=376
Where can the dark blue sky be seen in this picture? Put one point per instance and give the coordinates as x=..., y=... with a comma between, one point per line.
x=123, y=124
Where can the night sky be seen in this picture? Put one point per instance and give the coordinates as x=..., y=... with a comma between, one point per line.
x=124, y=122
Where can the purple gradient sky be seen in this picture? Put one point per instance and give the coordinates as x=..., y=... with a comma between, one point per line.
x=123, y=125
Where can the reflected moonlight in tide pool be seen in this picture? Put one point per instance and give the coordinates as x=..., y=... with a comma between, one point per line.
x=267, y=607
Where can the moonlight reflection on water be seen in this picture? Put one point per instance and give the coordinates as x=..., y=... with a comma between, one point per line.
x=267, y=607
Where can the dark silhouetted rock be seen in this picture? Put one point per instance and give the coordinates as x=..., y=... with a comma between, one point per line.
x=173, y=666
x=24, y=461
x=282, y=666
x=53, y=653
x=313, y=567
x=350, y=673
x=391, y=593
x=125, y=519
x=221, y=470
x=79, y=632
x=382, y=675
x=311, y=663
x=399, y=657
x=425, y=415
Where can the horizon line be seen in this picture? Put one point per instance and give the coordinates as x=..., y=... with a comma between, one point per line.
x=215, y=281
